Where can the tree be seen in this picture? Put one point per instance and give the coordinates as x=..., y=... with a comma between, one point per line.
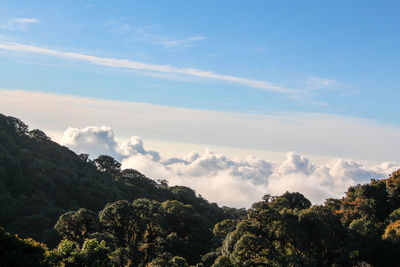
x=283, y=232
x=392, y=231
x=92, y=254
x=297, y=200
x=167, y=260
x=38, y=135
x=136, y=228
x=13, y=124
x=15, y=251
x=77, y=225
x=134, y=177
x=163, y=183
x=118, y=220
x=150, y=230
x=108, y=164
x=84, y=157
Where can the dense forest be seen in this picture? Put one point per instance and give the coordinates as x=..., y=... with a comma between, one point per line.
x=58, y=208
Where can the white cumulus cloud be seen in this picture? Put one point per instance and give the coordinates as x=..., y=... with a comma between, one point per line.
x=94, y=140
x=229, y=181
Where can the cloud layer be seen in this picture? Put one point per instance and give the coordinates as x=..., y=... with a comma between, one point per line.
x=228, y=181
x=136, y=65
x=320, y=135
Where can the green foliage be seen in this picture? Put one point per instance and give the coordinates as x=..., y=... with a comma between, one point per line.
x=287, y=231
x=167, y=260
x=224, y=227
x=15, y=251
x=108, y=164
x=179, y=262
x=296, y=200
x=223, y=261
x=109, y=217
x=395, y=215
x=95, y=253
x=77, y=225
x=362, y=226
x=41, y=180
x=276, y=233
x=92, y=254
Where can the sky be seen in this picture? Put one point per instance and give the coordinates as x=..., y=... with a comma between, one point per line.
x=291, y=83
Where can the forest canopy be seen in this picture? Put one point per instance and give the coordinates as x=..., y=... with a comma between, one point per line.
x=58, y=208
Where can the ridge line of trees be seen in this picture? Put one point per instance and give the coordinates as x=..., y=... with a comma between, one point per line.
x=92, y=213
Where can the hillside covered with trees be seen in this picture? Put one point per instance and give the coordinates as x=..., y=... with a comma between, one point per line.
x=62, y=209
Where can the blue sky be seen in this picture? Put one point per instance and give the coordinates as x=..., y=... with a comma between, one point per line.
x=342, y=56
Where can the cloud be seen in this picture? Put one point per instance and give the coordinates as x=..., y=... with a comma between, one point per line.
x=179, y=43
x=319, y=135
x=134, y=146
x=19, y=23
x=150, y=35
x=316, y=83
x=295, y=163
x=313, y=84
x=101, y=141
x=95, y=140
x=227, y=181
x=137, y=65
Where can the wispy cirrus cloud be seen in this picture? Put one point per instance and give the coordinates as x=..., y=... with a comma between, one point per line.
x=316, y=83
x=19, y=23
x=137, y=65
x=185, y=42
x=313, y=84
x=150, y=34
